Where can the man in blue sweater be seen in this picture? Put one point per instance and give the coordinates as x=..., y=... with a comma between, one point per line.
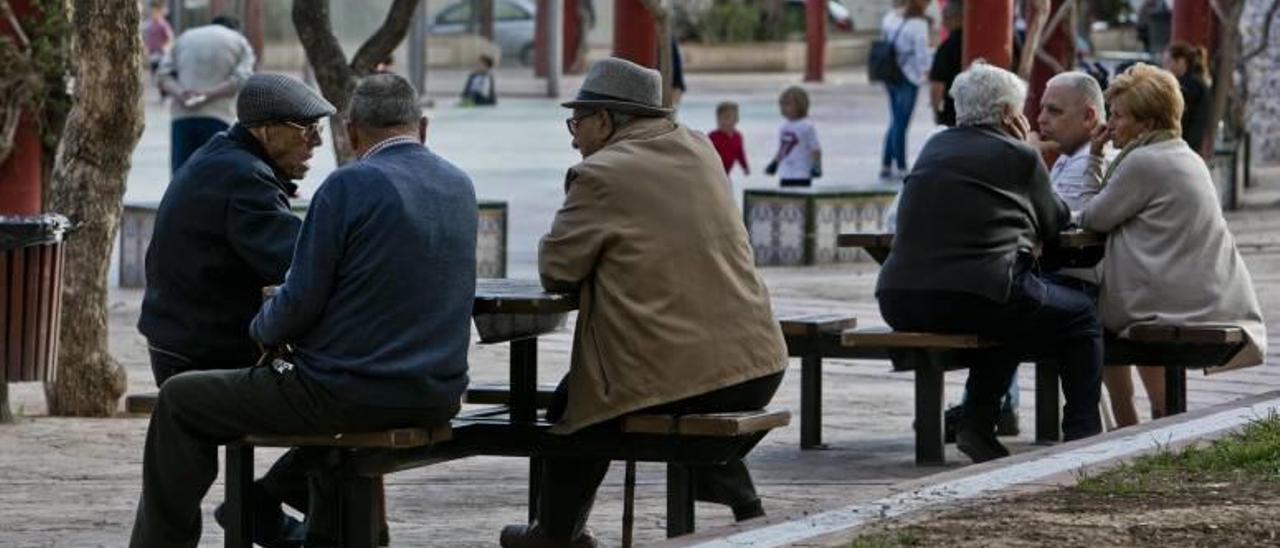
x=376, y=308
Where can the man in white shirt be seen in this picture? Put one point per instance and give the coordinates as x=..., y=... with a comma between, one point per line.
x=1071, y=109
x=203, y=72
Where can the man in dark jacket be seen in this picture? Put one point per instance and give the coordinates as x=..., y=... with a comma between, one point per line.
x=376, y=307
x=973, y=214
x=224, y=230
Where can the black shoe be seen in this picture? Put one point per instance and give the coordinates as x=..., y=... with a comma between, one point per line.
x=1007, y=424
x=532, y=536
x=979, y=447
x=951, y=422
x=271, y=529
x=749, y=510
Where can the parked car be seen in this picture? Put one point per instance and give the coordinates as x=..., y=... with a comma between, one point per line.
x=513, y=26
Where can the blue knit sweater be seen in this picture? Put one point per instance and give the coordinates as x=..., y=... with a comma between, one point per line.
x=377, y=303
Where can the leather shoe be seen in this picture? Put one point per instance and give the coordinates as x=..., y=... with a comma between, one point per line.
x=532, y=536
x=979, y=447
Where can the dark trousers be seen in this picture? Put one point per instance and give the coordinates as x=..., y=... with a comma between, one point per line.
x=902, y=102
x=198, y=411
x=1040, y=319
x=569, y=484
x=187, y=135
x=166, y=363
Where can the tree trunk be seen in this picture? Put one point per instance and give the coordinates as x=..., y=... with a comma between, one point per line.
x=6, y=415
x=1224, y=68
x=93, y=158
x=337, y=78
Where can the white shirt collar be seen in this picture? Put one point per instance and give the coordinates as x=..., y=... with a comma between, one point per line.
x=388, y=143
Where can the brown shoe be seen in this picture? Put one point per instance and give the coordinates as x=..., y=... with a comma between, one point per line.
x=531, y=536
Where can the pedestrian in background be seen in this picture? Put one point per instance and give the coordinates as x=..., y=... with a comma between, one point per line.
x=203, y=72
x=727, y=139
x=799, y=157
x=948, y=61
x=908, y=30
x=1190, y=65
x=157, y=35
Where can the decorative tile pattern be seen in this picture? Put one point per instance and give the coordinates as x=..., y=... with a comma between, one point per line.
x=796, y=228
x=491, y=241
x=1263, y=118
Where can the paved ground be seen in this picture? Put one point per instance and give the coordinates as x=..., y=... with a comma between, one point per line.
x=74, y=482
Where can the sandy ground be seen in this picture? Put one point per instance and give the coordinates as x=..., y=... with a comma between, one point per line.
x=75, y=482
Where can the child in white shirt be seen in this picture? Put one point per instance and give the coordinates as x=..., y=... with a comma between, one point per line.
x=799, y=157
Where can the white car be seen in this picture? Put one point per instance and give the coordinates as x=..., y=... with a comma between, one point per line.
x=513, y=26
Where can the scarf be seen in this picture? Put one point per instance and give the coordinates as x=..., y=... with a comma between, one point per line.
x=1148, y=138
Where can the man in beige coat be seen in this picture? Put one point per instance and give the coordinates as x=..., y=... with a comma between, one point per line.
x=673, y=316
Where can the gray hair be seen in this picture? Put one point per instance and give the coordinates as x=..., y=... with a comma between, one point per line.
x=983, y=91
x=1087, y=87
x=384, y=101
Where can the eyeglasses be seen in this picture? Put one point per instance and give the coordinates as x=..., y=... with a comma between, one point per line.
x=572, y=123
x=314, y=129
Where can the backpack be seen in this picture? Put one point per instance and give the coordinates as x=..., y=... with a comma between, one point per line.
x=882, y=61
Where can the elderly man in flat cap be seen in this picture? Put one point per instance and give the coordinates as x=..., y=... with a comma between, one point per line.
x=376, y=310
x=673, y=318
x=223, y=231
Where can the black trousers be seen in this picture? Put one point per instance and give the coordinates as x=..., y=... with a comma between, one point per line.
x=199, y=410
x=166, y=363
x=1041, y=319
x=569, y=484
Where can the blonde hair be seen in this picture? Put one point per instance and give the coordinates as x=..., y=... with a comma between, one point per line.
x=797, y=96
x=1149, y=94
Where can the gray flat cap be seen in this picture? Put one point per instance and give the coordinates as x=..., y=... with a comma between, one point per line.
x=618, y=84
x=268, y=98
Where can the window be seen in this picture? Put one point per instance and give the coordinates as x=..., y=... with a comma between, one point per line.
x=509, y=11
x=456, y=15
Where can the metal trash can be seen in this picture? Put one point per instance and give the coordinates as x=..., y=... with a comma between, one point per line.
x=31, y=258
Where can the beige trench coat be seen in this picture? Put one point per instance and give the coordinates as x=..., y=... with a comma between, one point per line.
x=1170, y=258
x=671, y=305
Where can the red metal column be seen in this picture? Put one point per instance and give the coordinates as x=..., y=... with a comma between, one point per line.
x=1193, y=22
x=572, y=34
x=540, y=39
x=20, y=185
x=635, y=34
x=816, y=36
x=1058, y=44
x=988, y=31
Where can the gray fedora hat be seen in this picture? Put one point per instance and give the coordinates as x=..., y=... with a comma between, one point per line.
x=267, y=98
x=620, y=85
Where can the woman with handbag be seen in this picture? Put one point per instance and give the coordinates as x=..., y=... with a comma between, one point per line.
x=907, y=30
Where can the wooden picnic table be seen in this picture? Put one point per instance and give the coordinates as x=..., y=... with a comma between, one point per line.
x=1074, y=248
x=517, y=311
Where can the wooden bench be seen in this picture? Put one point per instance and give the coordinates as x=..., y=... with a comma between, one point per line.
x=500, y=394
x=360, y=506
x=141, y=404
x=1175, y=348
x=812, y=337
x=751, y=425
x=929, y=355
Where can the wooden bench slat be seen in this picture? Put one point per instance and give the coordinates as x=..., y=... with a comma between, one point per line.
x=805, y=324
x=888, y=338
x=500, y=394
x=398, y=438
x=141, y=403
x=1186, y=335
x=707, y=424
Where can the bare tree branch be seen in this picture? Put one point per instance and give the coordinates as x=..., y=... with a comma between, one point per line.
x=1035, y=28
x=385, y=40
x=1265, y=39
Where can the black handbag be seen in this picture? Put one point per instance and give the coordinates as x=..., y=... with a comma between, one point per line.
x=882, y=61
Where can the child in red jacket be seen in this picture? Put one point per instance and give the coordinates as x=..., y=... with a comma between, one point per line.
x=727, y=140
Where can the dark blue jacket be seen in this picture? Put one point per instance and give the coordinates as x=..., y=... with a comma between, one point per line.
x=378, y=302
x=223, y=231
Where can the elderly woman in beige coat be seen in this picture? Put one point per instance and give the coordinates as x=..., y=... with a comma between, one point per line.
x=1170, y=258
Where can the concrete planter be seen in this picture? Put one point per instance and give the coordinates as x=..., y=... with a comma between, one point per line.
x=798, y=226
x=769, y=56
x=138, y=222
